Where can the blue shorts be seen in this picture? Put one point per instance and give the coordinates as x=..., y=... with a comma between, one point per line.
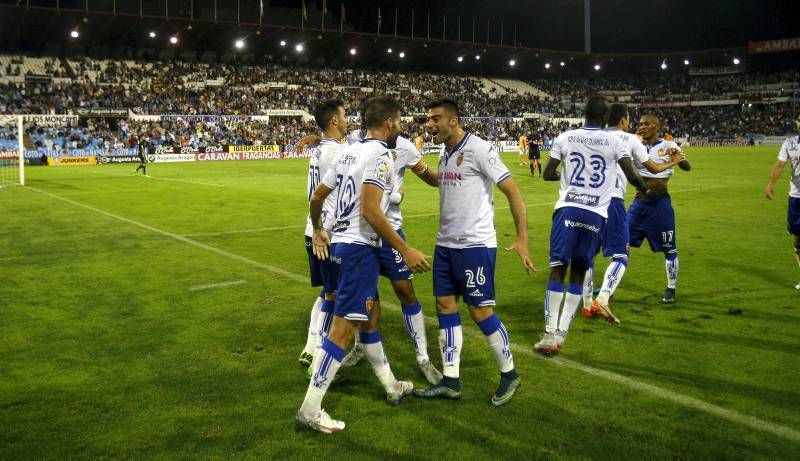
x=358, y=279
x=653, y=219
x=793, y=216
x=313, y=264
x=323, y=273
x=392, y=265
x=615, y=235
x=575, y=237
x=465, y=272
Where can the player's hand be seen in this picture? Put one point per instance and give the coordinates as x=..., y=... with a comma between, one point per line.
x=521, y=248
x=770, y=191
x=416, y=260
x=676, y=155
x=642, y=194
x=321, y=241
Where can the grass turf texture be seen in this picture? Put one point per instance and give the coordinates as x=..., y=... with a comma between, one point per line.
x=106, y=353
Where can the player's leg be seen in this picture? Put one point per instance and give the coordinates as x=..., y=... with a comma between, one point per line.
x=663, y=237
x=561, y=241
x=313, y=332
x=793, y=221
x=446, y=289
x=538, y=166
x=480, y=264
x=325, y=366
x=615, y=245
x=572, y=299
x=797, y=255
x=393, y=268
x=312, y=339
x=414, y=321
x=588, y=292
x=373, y=348
x=584, y=243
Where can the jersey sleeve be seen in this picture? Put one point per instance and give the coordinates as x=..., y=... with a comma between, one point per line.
x=330, y=176
x=638, y=151
x=620, y=148
x=783, y=154
x=490, y=164
x=379, y=169
x=556, y=148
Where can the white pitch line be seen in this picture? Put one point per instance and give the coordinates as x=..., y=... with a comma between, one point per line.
x=752, y=422
x=244, y=231
x=210, y=286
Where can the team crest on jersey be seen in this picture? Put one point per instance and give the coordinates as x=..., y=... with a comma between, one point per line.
x=661, y=152
x=394, y=154
x=369, y=304
x=460, y=159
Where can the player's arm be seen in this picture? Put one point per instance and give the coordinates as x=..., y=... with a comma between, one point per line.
x=309, y=140
x=320, y=239
x=520, y=214
x=371, y=196
x=424, y=173
x=551, y=170
x=632, y=175
x=675, y=158
x=777, y=169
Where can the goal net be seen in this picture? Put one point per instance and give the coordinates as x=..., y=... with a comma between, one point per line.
x=12, y=164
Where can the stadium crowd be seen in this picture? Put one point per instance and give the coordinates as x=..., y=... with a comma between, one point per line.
x=182, y=88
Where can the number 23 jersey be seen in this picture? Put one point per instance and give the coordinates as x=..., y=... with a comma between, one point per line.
x=589, y=159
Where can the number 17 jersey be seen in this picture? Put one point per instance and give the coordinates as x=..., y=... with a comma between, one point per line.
x=589, y=172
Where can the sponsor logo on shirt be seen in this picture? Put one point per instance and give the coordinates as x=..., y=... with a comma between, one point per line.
x=583, y=199
x=582, y=225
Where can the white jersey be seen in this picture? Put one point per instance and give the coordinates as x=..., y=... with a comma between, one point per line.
x=467, y=176
x=355, y=137
x=638, y=155
x=406, y=156
x=320, y=161
x=368, y=162
x=658, y=153
x=589, y=159
x=790, y=152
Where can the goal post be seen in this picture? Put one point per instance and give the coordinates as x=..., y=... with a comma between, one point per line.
x=12, y=150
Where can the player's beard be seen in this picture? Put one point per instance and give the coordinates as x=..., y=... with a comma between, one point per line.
x=391, y=142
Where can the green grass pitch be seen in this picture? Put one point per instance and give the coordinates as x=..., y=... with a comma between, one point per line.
x=109, y=349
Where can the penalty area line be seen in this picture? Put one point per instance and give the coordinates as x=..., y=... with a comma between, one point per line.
x=752, y=422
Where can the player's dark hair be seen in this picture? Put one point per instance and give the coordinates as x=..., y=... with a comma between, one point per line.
x=616, y=112
x=446, y=103
x=326, y=111
x=378, y=109
x=597, y=110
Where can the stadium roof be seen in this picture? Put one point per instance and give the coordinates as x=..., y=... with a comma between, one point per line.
x=625, y=34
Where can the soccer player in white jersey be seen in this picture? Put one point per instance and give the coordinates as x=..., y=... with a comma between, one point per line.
x=615, y=234
x=406, y=157
x=590, y=157
x=466, y=247
x=330, y=117
x=652, y=217
x=363, y=179
x=790, y=152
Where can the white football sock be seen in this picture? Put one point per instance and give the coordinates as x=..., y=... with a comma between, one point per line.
x=672, y=272
x=588, y=288
x=571, y=302
x=313, y=327
x=613, y=276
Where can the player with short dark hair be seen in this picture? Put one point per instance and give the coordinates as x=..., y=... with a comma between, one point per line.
x=363, y=177
x=466, y=247
x=615, y=234
x=652, y=217
x=590, y=157
x=790, y=152
x=331, y=119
